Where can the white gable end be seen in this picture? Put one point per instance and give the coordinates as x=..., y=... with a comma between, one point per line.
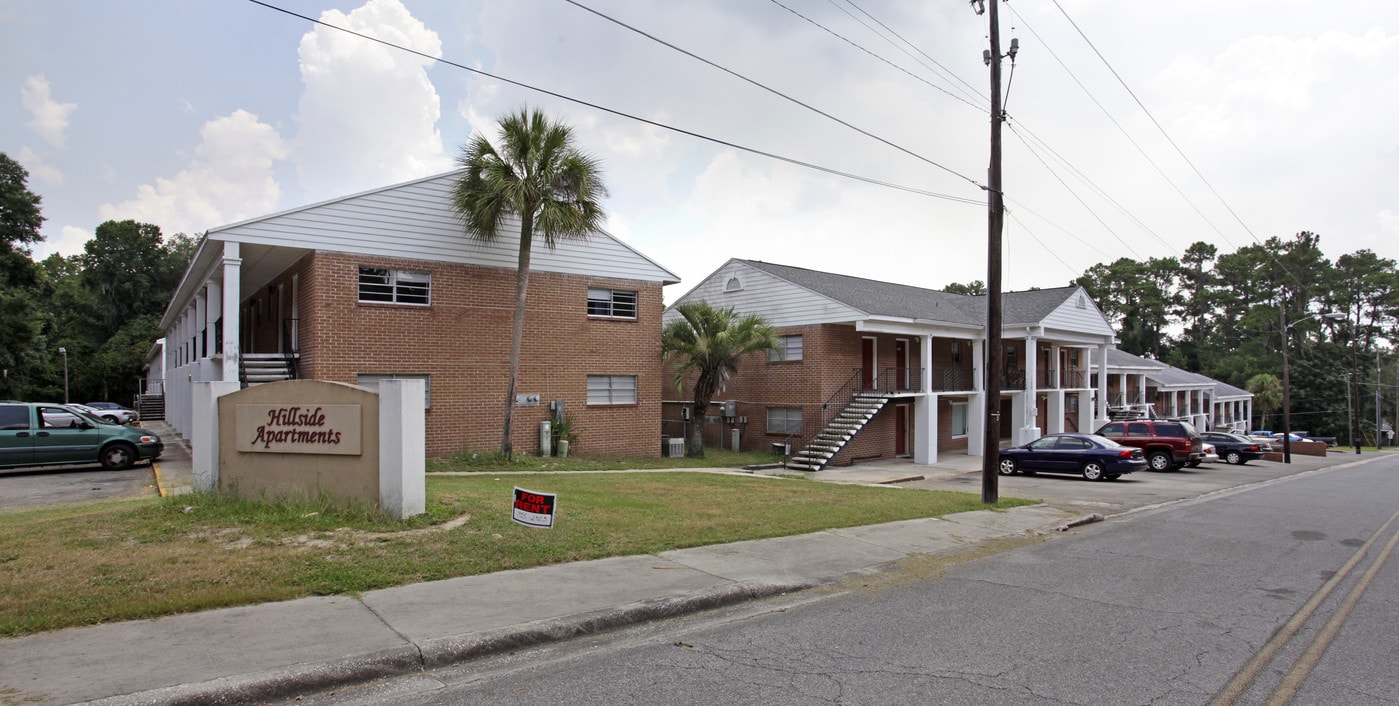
x=1078, y=314
x=779, y=302
x=416, y=220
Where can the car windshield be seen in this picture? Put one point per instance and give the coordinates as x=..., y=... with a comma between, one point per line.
x=1104, y=441
x=1189, y=429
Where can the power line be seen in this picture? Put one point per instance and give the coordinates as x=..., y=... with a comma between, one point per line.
x=776, y=92
x=663, y=126
x=974, y=91
x=1141, y=105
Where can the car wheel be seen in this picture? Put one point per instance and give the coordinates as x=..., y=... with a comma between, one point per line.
x=1193, y=464
x=118, y=457
x=1159, y=461
x=1007, y=466
x=1114, y=476
x=1234, y=458
x=1093, y=470
x=112, y=419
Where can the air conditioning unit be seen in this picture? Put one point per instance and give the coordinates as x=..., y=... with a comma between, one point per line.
x=675, y=447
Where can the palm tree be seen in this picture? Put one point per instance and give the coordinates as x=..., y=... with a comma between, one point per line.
x=708, y=343
x=538, y=176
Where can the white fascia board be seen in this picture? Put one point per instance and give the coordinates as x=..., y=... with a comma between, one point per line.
x=917, y=327
x=208, y=255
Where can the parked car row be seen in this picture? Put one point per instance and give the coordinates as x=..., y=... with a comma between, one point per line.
x=1125, y=447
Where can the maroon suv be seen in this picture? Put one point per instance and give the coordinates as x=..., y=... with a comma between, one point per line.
x=1168, y=445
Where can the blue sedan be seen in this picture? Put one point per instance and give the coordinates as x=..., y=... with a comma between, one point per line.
x=1092, y=456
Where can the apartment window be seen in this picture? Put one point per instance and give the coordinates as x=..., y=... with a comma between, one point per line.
x=380, y=284
x=1073, y=358
x=611, y=389
x=788, y=348
x=959, y=419
x=1012, y=357
x=956, y=352
x=612, y=303
x=784, y=420
x=372, y=382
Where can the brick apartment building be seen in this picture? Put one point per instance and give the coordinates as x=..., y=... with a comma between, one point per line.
x=871, y=369
x=386, y=284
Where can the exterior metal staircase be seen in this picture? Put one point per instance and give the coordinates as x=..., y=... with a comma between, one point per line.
x=837, y=432
x=258, y=368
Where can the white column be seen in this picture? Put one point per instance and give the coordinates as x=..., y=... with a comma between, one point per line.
x=1029, y=428
x=1055, y=410
x=402, y=448
x=925, y=408
x=204, y=438
x=1102, y=411
x=976, y=404
x=232, y=293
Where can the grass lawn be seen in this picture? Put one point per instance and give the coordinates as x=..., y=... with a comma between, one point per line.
x=120, y=560
x=486, y=461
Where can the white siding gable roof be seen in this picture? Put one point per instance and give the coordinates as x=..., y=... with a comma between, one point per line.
x=780, y=302
x=415, y=220
x=1071, y=317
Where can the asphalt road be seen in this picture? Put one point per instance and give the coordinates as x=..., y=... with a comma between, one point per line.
x=47, y=486
x=1164, y=605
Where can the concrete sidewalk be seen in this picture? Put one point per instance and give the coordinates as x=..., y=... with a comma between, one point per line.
x=278, y=650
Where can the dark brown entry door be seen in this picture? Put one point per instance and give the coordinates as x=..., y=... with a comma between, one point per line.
x=901, y=430
x=901, y=364
x=1005, y=419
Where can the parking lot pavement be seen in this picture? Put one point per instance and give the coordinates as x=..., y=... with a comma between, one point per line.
x=1137, y=490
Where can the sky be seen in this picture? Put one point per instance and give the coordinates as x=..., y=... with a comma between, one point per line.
x=1134, y=128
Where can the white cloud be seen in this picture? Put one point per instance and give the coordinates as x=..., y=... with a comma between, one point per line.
x=47, y=174
x=70, y=241
x=50, y=117
x=230, y=178
x=368, y=113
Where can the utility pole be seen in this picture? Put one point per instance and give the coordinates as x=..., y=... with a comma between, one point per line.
x=991, y=376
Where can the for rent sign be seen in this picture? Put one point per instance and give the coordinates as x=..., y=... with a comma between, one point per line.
x=534, y=509
x=310, y=429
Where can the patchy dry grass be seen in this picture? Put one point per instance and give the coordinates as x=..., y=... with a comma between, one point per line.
x=94, y=563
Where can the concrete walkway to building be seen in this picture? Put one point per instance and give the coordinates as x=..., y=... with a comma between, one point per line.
x=278, y=650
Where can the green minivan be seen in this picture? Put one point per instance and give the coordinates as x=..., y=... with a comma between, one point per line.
x=40, y=434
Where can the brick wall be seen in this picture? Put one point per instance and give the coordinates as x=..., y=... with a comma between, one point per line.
x=462, y=342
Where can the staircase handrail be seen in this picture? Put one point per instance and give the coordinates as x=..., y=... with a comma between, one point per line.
x=844, y=394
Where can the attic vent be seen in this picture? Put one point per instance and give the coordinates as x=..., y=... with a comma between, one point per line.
x=1082, y=302
x=733, y=285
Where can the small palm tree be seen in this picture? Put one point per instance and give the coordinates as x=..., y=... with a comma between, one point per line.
x=708, y=342
x=539, y=176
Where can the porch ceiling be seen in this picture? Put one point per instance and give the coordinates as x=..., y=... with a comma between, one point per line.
x=262, y=264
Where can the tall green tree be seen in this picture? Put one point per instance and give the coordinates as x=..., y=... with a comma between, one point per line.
x=20, y=220
x=537, y=175
x=708, y=343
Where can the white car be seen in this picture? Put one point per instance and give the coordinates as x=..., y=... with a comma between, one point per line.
x=116, y=416
x=1211, y=453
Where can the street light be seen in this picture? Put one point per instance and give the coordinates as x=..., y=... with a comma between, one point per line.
x=1286, y=381
x=64, y=351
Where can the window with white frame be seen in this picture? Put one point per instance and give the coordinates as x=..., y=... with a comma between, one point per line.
x=383, y=285
x=784, y=420
x=611, y=389
x=372, y=382
x=788, y=348
x=612, y=303
x=959, y=419
x=956, y=352
x=734, y=284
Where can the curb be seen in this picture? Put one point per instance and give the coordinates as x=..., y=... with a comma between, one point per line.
x=411, y=658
